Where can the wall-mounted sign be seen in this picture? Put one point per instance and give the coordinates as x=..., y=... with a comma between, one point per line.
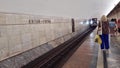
x=31, y=21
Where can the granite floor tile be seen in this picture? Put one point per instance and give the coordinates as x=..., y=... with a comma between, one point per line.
x=113, y=57
x=85, y=56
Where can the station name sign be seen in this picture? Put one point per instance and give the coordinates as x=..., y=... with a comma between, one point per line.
x=39, y=21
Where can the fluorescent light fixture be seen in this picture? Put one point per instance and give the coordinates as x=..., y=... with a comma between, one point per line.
x=81, y=23
x=87, y=22
x=91, y=22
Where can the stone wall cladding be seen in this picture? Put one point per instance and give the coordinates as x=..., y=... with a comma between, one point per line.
x=22, y=32
x=25, y=37
x=22, y=59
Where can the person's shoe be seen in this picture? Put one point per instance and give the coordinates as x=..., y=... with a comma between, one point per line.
x=107, y=51
x=103, y=49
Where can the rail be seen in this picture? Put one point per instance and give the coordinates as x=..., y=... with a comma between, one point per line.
x=56, y=57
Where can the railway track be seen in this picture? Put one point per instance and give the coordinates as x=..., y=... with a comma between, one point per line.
x=56, y=57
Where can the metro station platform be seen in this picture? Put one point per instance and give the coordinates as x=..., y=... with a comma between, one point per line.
x=89, y=55
x=57, y=34
x=113, y=57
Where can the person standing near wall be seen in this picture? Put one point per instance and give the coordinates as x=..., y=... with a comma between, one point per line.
x=112, y=25
x=105, y=33
x=99, y=30
x=118, y=26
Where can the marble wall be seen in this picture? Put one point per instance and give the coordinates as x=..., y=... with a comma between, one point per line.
x=18, y=33
x=79, y=26
x=24, y=58
x=115, y=15
x=22, y=32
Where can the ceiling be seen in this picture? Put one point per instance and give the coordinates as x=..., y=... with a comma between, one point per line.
x=83, y=9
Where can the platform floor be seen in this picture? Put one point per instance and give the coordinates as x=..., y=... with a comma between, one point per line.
x=113, y=57
x=85, y=56
x=89, y=54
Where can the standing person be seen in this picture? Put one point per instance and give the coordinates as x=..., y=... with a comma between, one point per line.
x=99, y=30
x=112, y=26
x=105, y=33
x=118, y=26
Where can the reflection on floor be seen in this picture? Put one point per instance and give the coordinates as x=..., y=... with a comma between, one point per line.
x=89, y=54
x=85, y=56
x=113, y=57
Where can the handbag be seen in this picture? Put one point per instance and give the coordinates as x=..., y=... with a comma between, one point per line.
x=98, y=39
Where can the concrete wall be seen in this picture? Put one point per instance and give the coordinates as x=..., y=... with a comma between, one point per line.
x=22, y=32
